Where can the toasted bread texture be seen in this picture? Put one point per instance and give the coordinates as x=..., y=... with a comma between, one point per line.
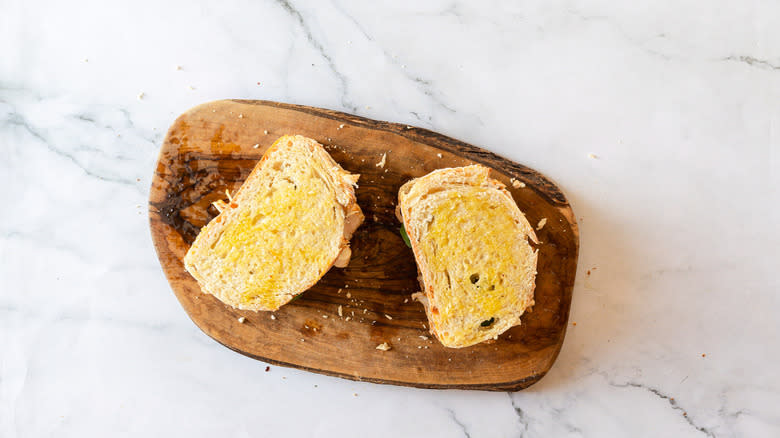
x=471, y=242
x=286, y=226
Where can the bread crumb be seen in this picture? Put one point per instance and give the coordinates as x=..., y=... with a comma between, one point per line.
x=425, y=347
x=190, y=87
x=382, y=162
x=406, y=300
x=241, y=319
x=240, y=116
x=495, y=337
x=365, y=310
x=265, y=132
x=303, y=340
x=449, y=359
x=593, y=156
x=347, y=318
x=339, y=291
x=353, y=313
x=383, y=346
x=178, y=67
x=349, y=295
x=419, y=347
x=355, y=394
x=256, y=146
x=388, y=316
x=703, y=355
x=438, y=155
x=325, y=316
x=541, y=223
x=141, y=95
x=341, y=126
x=574, y=323
x=273, y=316
x=340, y=311
x=516, y=183
x=424, y=338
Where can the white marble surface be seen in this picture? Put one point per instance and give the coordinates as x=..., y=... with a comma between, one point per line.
x=679, y=101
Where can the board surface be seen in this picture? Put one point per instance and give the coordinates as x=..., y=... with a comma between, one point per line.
x=214, y=147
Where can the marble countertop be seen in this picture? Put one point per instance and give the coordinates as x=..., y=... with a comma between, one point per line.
x=660, y=122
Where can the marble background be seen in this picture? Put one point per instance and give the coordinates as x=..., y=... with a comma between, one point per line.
x=676, y=326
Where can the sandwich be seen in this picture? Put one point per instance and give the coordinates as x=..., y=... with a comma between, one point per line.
x=474, y=252
x=285, y=227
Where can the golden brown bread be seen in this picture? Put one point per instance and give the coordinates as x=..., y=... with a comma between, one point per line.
x=286, y=226
x=471, y=244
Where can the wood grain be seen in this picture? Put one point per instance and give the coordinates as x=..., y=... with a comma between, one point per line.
x=214, y=146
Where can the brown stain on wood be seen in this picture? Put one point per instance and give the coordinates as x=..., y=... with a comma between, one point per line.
x=209, y=149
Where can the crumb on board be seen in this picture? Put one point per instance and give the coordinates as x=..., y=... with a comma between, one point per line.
x=382, y=162
x=240, y=116
x=256, y=146
x=273, y=316
x=349, y=295
x=339, y=291
x=325, y=316
x=388, y=316
x=347, y=318
x=423, y=337
x=438, y=155
x=265, y=131
x=574, y=323
x=241, y=319
x=406, y=300
x=541, y=223
x=517, y=183
x=384, y=346
x=340, y=311
x=341, y=126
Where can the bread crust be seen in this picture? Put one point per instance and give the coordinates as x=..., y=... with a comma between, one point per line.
x=411, y=196
x=344, y=184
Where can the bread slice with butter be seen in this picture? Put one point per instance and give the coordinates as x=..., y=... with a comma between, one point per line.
x=285, y=227
x=471, y=242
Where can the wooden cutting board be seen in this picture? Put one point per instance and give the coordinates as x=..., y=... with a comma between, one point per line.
x=214, y=146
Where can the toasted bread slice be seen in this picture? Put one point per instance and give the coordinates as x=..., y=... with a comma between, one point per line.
x=470, y=241
x=287, y=225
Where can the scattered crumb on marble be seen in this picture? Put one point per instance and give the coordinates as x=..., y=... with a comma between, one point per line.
x=141, y=95
x=592, y=156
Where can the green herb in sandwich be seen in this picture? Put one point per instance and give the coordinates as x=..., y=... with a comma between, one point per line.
x=405, y=236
